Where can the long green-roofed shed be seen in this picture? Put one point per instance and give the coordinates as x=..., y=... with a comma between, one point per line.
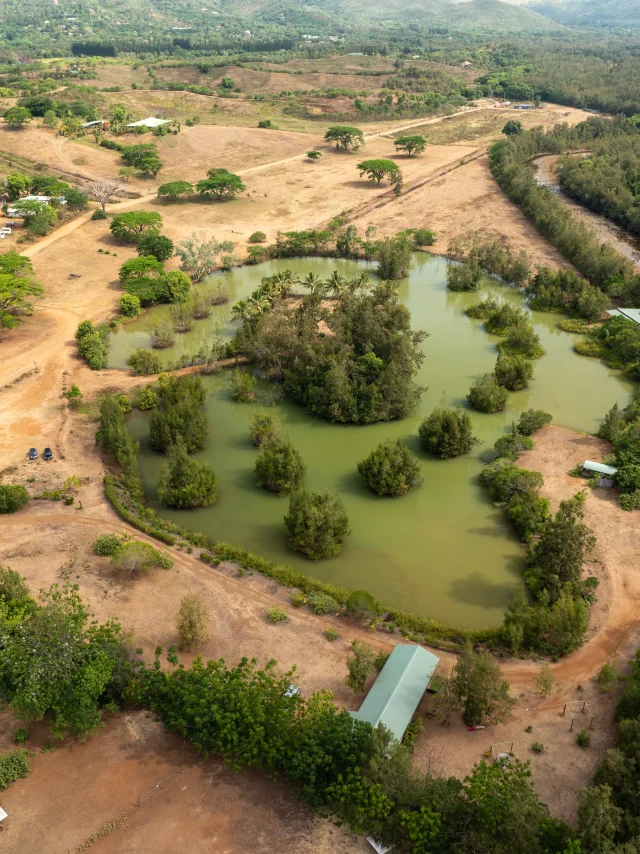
x=397, y=691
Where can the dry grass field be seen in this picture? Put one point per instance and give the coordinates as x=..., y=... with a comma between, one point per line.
x=187, y=803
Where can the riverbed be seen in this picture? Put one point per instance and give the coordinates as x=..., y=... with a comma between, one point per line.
x=442, y=551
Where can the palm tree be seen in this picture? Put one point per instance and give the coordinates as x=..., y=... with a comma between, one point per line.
x=241, y=311
x=335, y=283
x=317, y=287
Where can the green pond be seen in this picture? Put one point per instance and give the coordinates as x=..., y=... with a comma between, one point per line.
x=442, y=551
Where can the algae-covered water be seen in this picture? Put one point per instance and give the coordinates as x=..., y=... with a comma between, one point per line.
x=442, y=551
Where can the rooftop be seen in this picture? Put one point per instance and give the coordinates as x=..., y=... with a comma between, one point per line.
x=629, y=313
x=599, y=468
x=150, y=122
x=397, y=691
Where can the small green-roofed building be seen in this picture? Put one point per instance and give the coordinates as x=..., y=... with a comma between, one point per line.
x=629, y=313
x=397, y=691
x=590, y=467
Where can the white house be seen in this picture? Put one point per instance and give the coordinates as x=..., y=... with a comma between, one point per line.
x=149, y=122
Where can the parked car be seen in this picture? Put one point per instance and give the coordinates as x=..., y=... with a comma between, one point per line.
x=33, y=454
x=48, y=454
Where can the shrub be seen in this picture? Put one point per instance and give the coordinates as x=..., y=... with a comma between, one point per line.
x=279, y=467
x=447, y=433
x=528, y=513
x=107, y=545
x=146, y=398
x=144, y=362
x=464, y=277
x=362, y=605
x=536, y=747
x=630, y=500
x=12, y=497
x=533, y=420
x=391, y=469
x=13, y=766
x=257, y=237
x=424, y=237
x=628, y=478
x=297, y=599
x=136, y=557
x=607, y=678
x=276, y=615
x=504, y=480
x=93, y=344
x=12, y=586
x=483, y=309
x=186, y=483
x=512, y=445
x=20, y=736
x=129, y=305
x=513, y=372
x=156, y=245
x=243, y=386
x=503, y=319
x=316, y=524
x=192, y=623
x=486, y=395
x=589, y=347
x=144, y=277
x=360, y=665
x=583, y=738
x=522, y=340
x=181, y=415
x=322, y=603
x=411, y=733
x=263, y=428
x=331, y=634
x=99, y=214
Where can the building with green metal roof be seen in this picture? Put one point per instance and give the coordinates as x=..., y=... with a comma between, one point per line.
x=397, y=691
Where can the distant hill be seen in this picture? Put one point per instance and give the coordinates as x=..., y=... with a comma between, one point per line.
x=586, y=13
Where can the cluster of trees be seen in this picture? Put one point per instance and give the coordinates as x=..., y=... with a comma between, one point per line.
x=180, y=414
x=362, y=373
x=601, y=265
x=18, y=185
x=143, y=157
x=617, y=340
x=219, y=184
x=607, y=180
x=622, y=429
x=93, y=344
x=17, y=287
x=556, y=619
x=114, y=437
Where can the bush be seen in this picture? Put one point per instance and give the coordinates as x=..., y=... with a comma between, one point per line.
x=99, y=214
x=276, y=615
x=243, y=386
x=263, y=428
x=504, y=480
x=513, y=372
x=533, y=420
x=257, y=237
x=589, y=347
x=12, y=497
x=483, y=309
x=146, y=399
x=447, y=433
x=321, y=603
x=391, y=469
x=486, y=395
x=424, y=237
x=144, y=277
x=137, y=558
x=156, y=245
x=298, y=599
x=181, y=415
x=186, y=483
x=630, y=500
x=607, y=678
x=331, y=634
x=13, y=766
x=144, y=362
x=279, y=467
x=464, y=277
x=362, y=605
x=20, y=736
x=583, y=738
x=536, y=747
x=129, y=305
x=316, y=524
x=521, y=340
x=93, y=344
x=12, y=586
x=192, y=623
x=107, y=545
x=360, y=665
x=512, y=445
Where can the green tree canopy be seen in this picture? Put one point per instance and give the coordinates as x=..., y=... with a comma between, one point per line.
x=376, y=170
x=143, y=157
x=158, y=245
x=180, y=415
x=317, y=524
x=476, y=686
x=222, y=185
x=391, y=469
x=18, y=185
x=17, y=285
x=174, y=189
x=512, y=128
x=186, y=483
x=17, y=117
x=411, y=143
x=199, y=255
x=447, y=433
x=130, y=226
x=345, y=137
x=12, y=497
x=144, y=277
x=513, y=372
x=279, y=467
x=486, y=395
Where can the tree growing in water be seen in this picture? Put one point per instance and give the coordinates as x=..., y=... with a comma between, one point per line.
x=186, y=483
x=447, y=433
x=394, y=257
x=486, y=395
x=317, y=524
x=279, y=467
x=391, y=469
x=180, y=415
x=263, y=428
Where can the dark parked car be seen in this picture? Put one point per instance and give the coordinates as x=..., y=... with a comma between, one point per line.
x=33, y=454
x=48, y=454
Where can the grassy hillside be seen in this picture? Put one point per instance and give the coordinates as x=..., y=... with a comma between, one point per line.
x=589, y=13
